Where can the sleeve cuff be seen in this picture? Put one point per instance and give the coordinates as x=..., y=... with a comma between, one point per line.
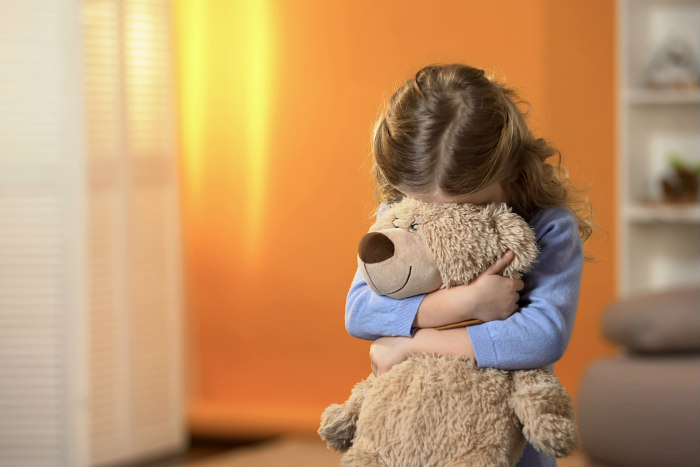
x=404, y=316
x=484, y=349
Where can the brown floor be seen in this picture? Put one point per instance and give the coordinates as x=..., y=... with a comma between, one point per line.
x=284, y=452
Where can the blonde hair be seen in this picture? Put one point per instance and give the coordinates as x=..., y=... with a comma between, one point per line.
x=451, y=128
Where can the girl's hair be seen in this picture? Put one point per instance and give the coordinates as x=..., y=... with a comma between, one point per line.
x=451, y=128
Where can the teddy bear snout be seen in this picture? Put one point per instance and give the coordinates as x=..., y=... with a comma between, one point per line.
x=375, y=247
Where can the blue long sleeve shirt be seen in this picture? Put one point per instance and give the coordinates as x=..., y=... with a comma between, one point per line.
x=536, y=336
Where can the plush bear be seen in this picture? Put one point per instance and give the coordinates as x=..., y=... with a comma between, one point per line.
x=442, y=411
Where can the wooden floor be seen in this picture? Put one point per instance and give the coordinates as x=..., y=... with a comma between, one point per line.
x=285, y=452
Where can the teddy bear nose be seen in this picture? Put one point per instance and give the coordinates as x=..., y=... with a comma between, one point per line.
x=375, y=247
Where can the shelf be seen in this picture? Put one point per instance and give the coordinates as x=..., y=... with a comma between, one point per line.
x=658, y=243
x=652, y=97
x=682, y=214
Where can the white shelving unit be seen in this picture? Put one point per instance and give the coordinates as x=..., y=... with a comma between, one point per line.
x=659, y=244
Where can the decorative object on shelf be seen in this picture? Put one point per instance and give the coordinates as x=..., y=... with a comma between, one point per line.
x=683, y=183
x=673, y=65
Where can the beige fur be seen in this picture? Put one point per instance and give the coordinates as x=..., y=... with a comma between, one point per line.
x=444, y=411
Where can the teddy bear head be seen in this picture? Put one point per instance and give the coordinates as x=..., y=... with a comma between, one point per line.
x=416, y=247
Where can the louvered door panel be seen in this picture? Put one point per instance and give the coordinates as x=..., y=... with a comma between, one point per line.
x=41, y=212
x=109, y=407
x=136, y=387
x=31, y=81
x=90, y=346
x=110, y=402
x=148, y=78
x=155, y=411
x=32, y=390
x=153, y=249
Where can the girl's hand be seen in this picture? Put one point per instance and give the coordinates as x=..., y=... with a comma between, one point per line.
x=489, y=297
x=492, y=296
x=386, y=352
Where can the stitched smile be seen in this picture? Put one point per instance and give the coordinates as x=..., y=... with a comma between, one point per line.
x=410, y=269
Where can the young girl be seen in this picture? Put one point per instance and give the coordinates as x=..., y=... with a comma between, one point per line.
x=453, y=135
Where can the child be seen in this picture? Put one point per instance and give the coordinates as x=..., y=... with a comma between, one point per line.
x=453, y=135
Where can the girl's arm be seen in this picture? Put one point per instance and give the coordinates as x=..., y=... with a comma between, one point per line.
x=534, y=337
x=371, y=316
x=388, y=351
x=489, y=297
x=539, y=334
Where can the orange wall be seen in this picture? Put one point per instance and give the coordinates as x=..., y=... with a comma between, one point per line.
x=579, y=116
x=276, y=102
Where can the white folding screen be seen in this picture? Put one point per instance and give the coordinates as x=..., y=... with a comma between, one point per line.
x=136, y=362
x=90, y=293
x=43, y=306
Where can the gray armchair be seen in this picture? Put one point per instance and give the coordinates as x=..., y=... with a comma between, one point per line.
x=642, y=407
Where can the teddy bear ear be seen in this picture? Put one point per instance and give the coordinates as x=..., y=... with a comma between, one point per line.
x=516, y=235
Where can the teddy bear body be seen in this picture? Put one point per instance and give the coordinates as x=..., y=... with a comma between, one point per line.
x=458, y=424
x=433, y=410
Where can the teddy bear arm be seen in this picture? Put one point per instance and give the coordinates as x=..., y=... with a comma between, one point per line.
x=546, y=412
x=338, y=421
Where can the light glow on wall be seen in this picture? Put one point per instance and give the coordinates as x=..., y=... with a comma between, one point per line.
x=259, y=80
x=193, y=103
x=226, y=54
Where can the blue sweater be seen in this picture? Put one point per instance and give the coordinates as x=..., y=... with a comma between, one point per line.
x=535, y=336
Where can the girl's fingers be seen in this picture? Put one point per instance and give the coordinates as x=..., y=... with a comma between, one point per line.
x=501, y=264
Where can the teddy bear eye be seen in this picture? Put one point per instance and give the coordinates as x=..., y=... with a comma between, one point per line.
x=405, y=224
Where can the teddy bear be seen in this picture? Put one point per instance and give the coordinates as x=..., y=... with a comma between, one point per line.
x=433, y=410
